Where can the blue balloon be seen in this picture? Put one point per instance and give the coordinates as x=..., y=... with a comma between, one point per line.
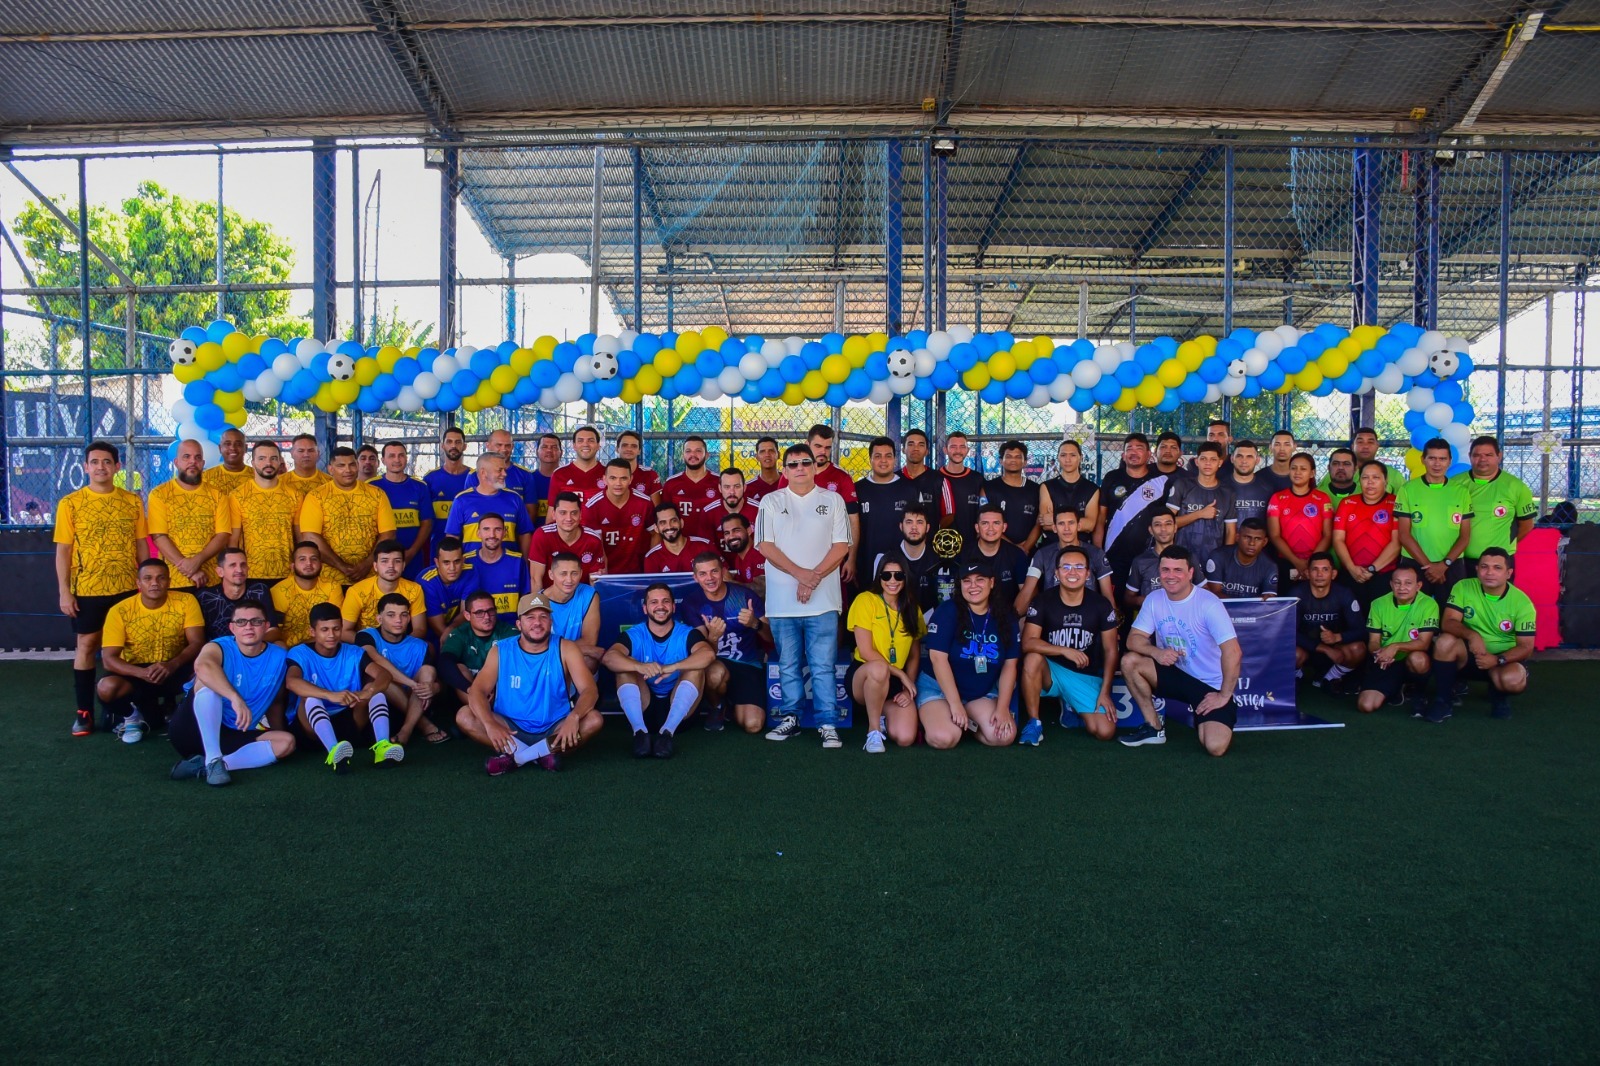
x=1413, y=421
x=793, y=368
x=271, y=348
x=1004, y=341
x=1272, y=377
x=1213, y=369
x=1349, y=381
x=962, y=357
x=687, y=380
x=465, y=383
x=1457, y=468
x=1148, y=359
x=836, y=396
x=1370, y=364
x=812, y=354
x=251, y=365
x=1128, y=375
x=1464, y=413
x=585, y=344
x=1191, y=389
x=227, y=378
x=755, y=342
x=1252, y=389
x=1245, y=337
x=1085, y=347
x=351, y=348
x=1290, y=361
x=611, y=388
x=669, y=391
x=1166, y=345
x=877, y=366
x=924, y=389
x=1018, y=386
x=565, y=356
x=217, y=330
x=385, y=387
x=448, y=399
x=209, y=416
x=1464, y=370
x=772, y=383
x=751, y=393
x=195, y=335
x=591, y=392
x=1448, y=392
x=1426, y=380
x=172, y=449
x=503, y=350
x=1169, y=402
x=646, y=345
x=1421, y=436
x=1389, y=347
x=319, y=366
x=405, y=370
x=985, y=345
x=424, y=359
x=1065, y=357
x=1324, y=389
x=368, y=401
x=669, y=339
x=1330, y=333
x=1311, y=346
x=833, y=343
x=1043, y=371
x=708, y=364
x=544, y=374
x=1081, y=400
x=897, y=344
x=1106, y=391
x=732, y=351
x=199, y=393
x=1228, y=350
x=944, y=377
x=994, y=392
x=1406, y=333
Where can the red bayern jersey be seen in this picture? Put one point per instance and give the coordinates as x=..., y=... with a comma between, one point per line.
x=659, y=560
x=748, y=568
x=1368, y=528
x=755, y=488
x=708, y=523
x=571, y=478
x=624, y=531
x=589, y=549
x=1300, y=518
x=692, y=497
x=831, y=477
x=646, y=481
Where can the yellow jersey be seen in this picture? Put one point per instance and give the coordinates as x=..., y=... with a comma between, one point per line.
x=265, y=519
x=104, y=529
x=149, y=635
x=361, y=601
x=305, y=486
x=189, y=518
x=224, y=480
x=351, y=520
x=294, y=604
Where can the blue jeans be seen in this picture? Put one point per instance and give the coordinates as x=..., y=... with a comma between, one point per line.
x=813, y=642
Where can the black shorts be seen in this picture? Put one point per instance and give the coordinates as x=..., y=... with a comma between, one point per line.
x=1375, y=678
x=147, y=694
x=345, y=727
x=895, y=685
x=1174, y=684
x=184, y=732
x=1471, y=671
x=92, y=611
x=747, y=685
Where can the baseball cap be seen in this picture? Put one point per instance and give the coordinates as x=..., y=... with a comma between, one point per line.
x=532, y=602
x=982, y=567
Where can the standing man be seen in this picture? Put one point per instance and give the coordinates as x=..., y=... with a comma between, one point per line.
x=768, y=476
x=1069, y=490
x=1330, y=630
x=446, y=483
x=360, y=606
x=305, y=477
x=883, y=497
x=1364, y=538
x=189, y=520
x=411, y=503
x=1276, y=475
x=346, y=518
x=624, y=519
x=584, y=475
x=1042, y=567
x=232, y=471
x=629, y=447
x=150, y=642
x=1365, y=446
x=1204, y=505
x=366, y=462
x=1069, y=651
x=731, y=501
x=100, y=542
x=1007, y=563
x=1299, y=521
x=830, y=476
x=1129, y=497
x=674, y=551
x=1169, y=457
x=1400, y=630
x=445, y=586
x=234, y=586
x=803, y=532
x=293, y=597
x=1183, y=647
x=1243, y=570
x=694, y=490
x=1488, y=633
x=549, y=454
x=496, y=569
x=732, y=618
x=739, y=556
x=1251, y=489
x=1433, y=519
x=1502, y=504
x=665, y=660
x=1016, y=496
x=565, y=533
x=264, y=514
x=961, y=493
x=517, y=479
x=922, y=477
x=1340, y=483
x=489, y=496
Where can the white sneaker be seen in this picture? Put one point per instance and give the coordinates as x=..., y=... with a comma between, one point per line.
x=874, y=744
x=787, y=727
x=830, y=736
x=132, y=729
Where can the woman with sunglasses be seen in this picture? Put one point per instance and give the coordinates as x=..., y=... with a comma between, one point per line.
x=973, y=646
x=887, y=626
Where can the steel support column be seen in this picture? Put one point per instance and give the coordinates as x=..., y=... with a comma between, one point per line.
x=1365, y=233
x=638, y=265
x=894, y=246
x=1505, y=294
x=358, y=251
x=1575, y=430
x=941, y=231
x=1425, y=247
x=324, y=268
x=83, y=302
x=1227, y=258
x=449, y=191
x=929, y=405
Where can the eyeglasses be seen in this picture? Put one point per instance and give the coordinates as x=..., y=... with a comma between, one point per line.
x=795, y=464
x=892, y=575
x=249, y=622
x=1070, y=567
x=483, y=611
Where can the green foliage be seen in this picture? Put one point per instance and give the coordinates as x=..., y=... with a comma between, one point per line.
x=390, y=329
x=161, y=239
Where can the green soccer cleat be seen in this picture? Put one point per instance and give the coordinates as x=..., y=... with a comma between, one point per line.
x=385, y=752
x=340, y=756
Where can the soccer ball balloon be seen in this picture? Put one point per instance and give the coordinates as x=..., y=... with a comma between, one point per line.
x=1444, y=364
x=182, y=351
x=1236, y=369
x=902, y=364
x=341, y=367
x=604, y=364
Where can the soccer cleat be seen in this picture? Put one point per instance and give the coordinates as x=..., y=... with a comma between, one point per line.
x=1032, y=733
x=217, y=774
x=499, y=765
x=386, y=752
x=82, y=724
x=550, y=762
x=716, y=719
x=190, y=769
x=787, y=727
x=663, y=745
x=1438, y=713
x=132, y=729
x=341, y=756
x=1143, y=735
x=1499, y=706
x=830, y=736
x=641, y=745
x=874, y=744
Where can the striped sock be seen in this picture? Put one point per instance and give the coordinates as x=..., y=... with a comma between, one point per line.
x=378, y=714
x=317, y=717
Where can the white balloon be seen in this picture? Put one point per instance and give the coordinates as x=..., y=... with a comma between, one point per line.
x=444, y=367
x=1366, y=387
x=902, y=386
x=1458, y=344
x=209, y=449
x=960, y=334
x=882, y=392
x=547, y=399
x=1412, y=361
x=306, y=349
x=583, y=369
x=925, y=362
x=250, y=392
x=425, y=385
x=1062, y=388
x=1255, y=361
x=1286, y=333
x=733, y=378
x=409, y=399
x=464, y=354
x=1040, y=396
x=1391, y=381
x=711, y=390
x=190, y=431
x=772, y=352
x=1269, y=344
x=568, y=389
x=1439, y=415
x=608, y=344
x=1430, y=342
x=1106, y=358
x=1087, y=374
x=793, y=344
x=751, y=366
x=1419, y=399
x=625, y=340
x=1231, y=386
x=182, y=411
x=1125, y=350
x=285, y=367
x=1213, y=394
x=939, y=343
x=1459, y=436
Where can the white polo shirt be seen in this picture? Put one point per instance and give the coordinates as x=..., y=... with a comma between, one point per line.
x=805, y=528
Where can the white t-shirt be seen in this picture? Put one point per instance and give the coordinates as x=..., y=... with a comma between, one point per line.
x=804, y=528
x=1195, y=627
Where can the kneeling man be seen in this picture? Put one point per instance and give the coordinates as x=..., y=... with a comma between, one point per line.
x=1400, y=629
x=1488, y=633
x=1069, y=650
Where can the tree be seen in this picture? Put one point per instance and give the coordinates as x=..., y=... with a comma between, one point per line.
x=157, y=238
x=381, y=329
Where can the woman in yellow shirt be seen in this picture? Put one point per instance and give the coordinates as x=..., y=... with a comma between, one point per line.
x=887, y=627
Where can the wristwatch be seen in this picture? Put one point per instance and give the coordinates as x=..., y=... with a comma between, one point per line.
x=1371, y=569
x=1501, y=660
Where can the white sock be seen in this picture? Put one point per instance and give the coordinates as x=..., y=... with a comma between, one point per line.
x=208, y=716
x=628, y=696
x=683, y=700
x=1337, y=671
x=255, y=754
x=526, y=753
x=378, y=714
x=317, y=716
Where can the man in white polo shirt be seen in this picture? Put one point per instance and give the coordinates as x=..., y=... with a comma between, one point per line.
x=803, y=531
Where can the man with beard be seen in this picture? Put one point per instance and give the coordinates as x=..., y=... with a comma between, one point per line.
x=645, y=480
x=489, y=496
x=264, y=514
x=927, y=573
x=366, y=462
x=1276, y=475
x=346, y=518
x=305, y=477
x=549, y=455
x=149, y=641
x=518, y=479
x=1169, y=457
x=1069, y=651
x=497, y=570
x=623, y=518
x=565, y=533
x=739, y=555
x=360, y=607
x=729, y=616
x=1130, y=496
x=462, y=653
x=232, y=471
x=1242, y=570
x=1330, y=627
x=412, y=507
x=295, y=595
x=189, y=520
x=1340, y=482
x=694, y=490
x=883, y=496
x=1144, y=574
x=1042, y=567
x=234, y=586
x=584, y=475
x=1251, y=490
x=1220, y=432
x=1016, y=496
x=446, y=483
x=961, y=493
x=730, y=487
x=1364, y=443
x=1008, y=564
x=1069, y=490
x=675, y=552
x=768, y=476
x=445, y=586
x=922, y=477
x=662, y=660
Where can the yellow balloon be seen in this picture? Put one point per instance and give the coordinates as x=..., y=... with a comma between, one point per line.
x=1368, y=336
x=689, y=345
x=209, y=356
x=856, y=350
x=388, y=356
x=835, y=368
x=1043, y=345
x=1307, y=379
x=630, y=393
x=1190, y=356
x=413, y=351
x=1127, y=401
x=235, y=418
x=814, y=386
x=712, y=337
x=256, y=342
x=522, y=362
x=324, y=399
x=471, y=405
x=187, y=372
x=367, y=370
x=793, y=395
x=649, y=378
x=1350, y=347
x=544, y=347
x=234, y=345
x=1002, y=366
x=1149, y=392
x=1207, y=344
x=504, y=379
x=877, y=342
x=1414, y=462
x=487, y=395
x=345, y=392
x=229, y=401
x=1171, y=374
x=976, y=378
x=1285, y=389
x=668, y=362
x=1025, y=355
x=1333, y=362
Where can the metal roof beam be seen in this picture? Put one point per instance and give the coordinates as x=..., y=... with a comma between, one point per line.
x=1564, y=167
x=1003, y=201
x=952, y=60
x=1192, y=180
x=401, y=42
x=1474, y=86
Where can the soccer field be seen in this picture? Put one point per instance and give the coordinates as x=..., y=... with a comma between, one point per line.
x=1391, y=891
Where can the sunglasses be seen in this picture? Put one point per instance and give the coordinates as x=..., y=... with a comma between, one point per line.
x=795, y=464
x=892, y=575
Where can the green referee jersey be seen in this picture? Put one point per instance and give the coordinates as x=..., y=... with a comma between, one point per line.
x=1436, y=512
x=1397, y=623
x=1497, y=505
x=1499, y=620
x=1335, y=497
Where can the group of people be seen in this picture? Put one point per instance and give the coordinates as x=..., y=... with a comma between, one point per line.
x=260, y=604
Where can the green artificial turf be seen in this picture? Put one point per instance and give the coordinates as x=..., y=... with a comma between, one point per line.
x=1391, y=891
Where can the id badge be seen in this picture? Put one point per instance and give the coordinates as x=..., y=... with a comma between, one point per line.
x=980, y=665
x=893, y=655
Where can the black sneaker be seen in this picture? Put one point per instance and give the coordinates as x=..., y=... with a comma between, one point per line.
x=82, y=724
x=1141, y=736
x=663, y=745
x=1499, y=706
x=716, y=719
x=788, y=726
x=1440, y=712
x=641, y=745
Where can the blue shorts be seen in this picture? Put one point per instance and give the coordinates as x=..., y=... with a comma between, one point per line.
x=1078, y=692
x=928, y=689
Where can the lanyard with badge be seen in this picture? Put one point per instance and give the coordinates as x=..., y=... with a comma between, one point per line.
x=889, y=621
x=980, y=665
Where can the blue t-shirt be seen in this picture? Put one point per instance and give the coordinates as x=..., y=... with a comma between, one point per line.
x=409, y=654
x=531, y=690
x=257, y=680
x=506, y=579
x=965, y=645
x=444, y=598
x=739, y=643
x=645, y=647
x=340, y=672
x=443, y=488
x=566, y=619
x=1195, y=626
x=411, y=503
x=467, y=508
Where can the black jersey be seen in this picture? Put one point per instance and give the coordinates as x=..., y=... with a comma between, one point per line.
x=1010, y=567
x=1019, y=502
x=1129, y=503
x=882, y=505
x=1074, y=496
x=215, y=605
x=1250, y=497
x=1077, y=627
x=960, y=497
x=1238, y=580
x=1338, y=611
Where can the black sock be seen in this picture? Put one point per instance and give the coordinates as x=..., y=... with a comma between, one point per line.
x=1444, y=680
x=83, y=688
x=1317, y=666
x=118, y=709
